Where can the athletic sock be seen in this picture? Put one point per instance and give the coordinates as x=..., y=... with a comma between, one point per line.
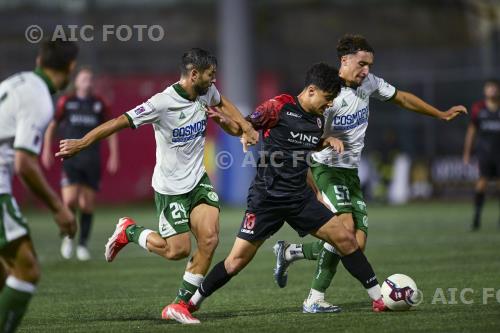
x=311, y=250
x=214, y=280
x=85, y=226
x=138, y=235
x=478, y=207
x=359, y=267
x=294, y=252
x=315, y=295
x=326, y=267
x=14, y=300
x=189, y=285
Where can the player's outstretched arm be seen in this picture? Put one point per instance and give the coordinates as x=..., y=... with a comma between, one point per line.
x=28, y=170
x=70, y=147
x=228, y=109
x=469, y=140
x=228, y=125
x=411, y=102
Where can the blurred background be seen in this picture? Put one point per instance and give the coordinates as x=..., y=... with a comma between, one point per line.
x=441, y=50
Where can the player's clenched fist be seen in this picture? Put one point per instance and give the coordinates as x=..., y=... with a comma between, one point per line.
x=69, y=147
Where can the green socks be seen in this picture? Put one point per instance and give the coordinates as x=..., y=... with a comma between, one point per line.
x=14, y=299
x=311, y=250
x=189, y=285
x=326, y=268
x=133, y=232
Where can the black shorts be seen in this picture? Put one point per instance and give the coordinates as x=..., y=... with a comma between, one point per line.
x=264, y=217
x=489, y=166
x=82, y=173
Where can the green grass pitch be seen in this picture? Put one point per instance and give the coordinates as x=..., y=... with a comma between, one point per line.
x=428, y=242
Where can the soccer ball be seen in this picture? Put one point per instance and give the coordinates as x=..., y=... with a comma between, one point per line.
x=400, y=292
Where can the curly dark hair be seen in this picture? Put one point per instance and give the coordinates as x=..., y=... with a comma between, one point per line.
x=197, y=58
x=325, y=77
x=351, y=44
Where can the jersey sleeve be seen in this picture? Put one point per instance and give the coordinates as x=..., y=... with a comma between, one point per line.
x=213, y=96
x=60, y=108
x=31, y=122
x=475, y=109
x=146, y=113
x=383, y=91
x=266, y=115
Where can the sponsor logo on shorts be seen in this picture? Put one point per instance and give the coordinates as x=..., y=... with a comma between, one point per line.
x=365, y=221
x=248, y=223
x=361, y=204
x=213, y=196
x=183, y=221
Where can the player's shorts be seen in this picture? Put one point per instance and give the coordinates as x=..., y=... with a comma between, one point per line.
x=264, y=217
x=173, y=210
x=489, y=165
x=12, y=223
x=342, y=192
x=76, y=172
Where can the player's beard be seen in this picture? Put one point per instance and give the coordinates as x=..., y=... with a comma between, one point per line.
x=200, y=91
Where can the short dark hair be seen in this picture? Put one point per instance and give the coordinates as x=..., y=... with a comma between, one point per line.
x=325, y=77
x=57, y=54
x=351, y=44
x=197, y=58
x=492, y=80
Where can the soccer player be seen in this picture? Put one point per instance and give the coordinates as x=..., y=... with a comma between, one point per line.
x=336, y=175
x=292, y=127
x=185, y=198
x=485, y=125
x=26, y=109
x=76, y=115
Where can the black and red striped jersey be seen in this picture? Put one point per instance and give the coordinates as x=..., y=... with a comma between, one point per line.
x=290, y=135
x=487, y=124
x=76, y=117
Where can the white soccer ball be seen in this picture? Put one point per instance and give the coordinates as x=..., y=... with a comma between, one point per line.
x=400, y=292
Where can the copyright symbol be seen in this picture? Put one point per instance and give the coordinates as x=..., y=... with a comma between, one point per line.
x=224, y=160
x=33, y=34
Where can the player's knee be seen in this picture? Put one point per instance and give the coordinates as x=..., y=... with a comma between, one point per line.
x=345, y=241
x=86, y=208
x=72, y=203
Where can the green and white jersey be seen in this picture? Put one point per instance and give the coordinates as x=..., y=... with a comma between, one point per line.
x=179, y=125
x=26, y=110
x=347, y=120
